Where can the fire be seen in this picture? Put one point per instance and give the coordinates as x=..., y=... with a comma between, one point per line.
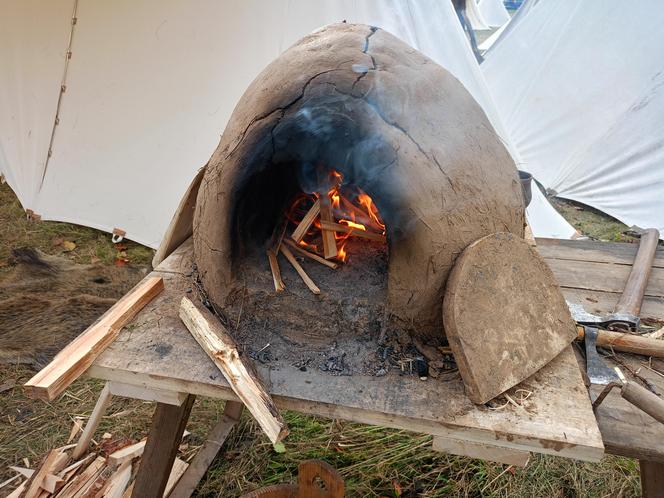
x=348, y=207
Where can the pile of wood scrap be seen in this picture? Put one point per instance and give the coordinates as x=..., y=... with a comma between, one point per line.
x=61, y=476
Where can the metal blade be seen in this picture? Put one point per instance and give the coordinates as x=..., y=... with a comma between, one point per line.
x=598, y=372
x=582, y=316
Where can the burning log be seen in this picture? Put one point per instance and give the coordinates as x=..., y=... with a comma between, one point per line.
x=308, y=220
x=353, y=231
x=301, y=250
x=329, y=240
x=298, y=268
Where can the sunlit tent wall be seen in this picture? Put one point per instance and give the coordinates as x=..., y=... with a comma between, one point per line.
x=580, y=89
x=494, y=12
x=150, y=85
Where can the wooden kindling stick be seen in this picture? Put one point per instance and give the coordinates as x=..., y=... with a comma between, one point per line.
x=337, y=227
x=308, y=220
x=298, y=268
x=70, y=363
x=310, y=255
x=222, y=350
x=329, y=240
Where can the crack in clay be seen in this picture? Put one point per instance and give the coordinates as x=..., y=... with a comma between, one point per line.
x=372, y=32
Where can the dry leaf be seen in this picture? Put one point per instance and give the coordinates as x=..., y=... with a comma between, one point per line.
x=68, y=246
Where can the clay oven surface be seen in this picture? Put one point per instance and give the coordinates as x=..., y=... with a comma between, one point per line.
x=394, y=123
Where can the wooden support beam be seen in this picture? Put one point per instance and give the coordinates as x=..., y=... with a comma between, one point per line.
x=168, y=423
x=207, y=453
x=300, y=271
x=95, y=417
x=329, y=240
x=146, y=393
x=652, y=479
x=75, y=358
x=354, y=232
x=308, y=220
x=222, y=350
x=482, y=451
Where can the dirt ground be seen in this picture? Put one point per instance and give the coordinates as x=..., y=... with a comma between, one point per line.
x=374, y=461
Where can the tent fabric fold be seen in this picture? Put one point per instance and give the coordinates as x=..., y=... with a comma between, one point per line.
x=151, y=85
x=587, y=120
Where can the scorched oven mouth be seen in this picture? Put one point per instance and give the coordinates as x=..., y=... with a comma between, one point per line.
x=355, y=170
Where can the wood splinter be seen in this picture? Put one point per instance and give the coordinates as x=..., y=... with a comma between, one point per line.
x=298, y=268
x=222, y=350
x=307, y=254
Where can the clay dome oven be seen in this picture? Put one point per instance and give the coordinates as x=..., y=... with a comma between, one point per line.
x=357, y=101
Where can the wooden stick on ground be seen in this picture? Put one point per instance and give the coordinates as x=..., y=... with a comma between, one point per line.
x=95, y=417
x=222, y=350
x=329, y=240
x=298, y=268
x=309, y=218
x=75, y=358
x=310, y=255
x=337, y=227
x=279, y=285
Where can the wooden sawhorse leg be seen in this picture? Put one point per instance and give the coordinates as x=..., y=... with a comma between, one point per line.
x=652, y=479
x=168, y=423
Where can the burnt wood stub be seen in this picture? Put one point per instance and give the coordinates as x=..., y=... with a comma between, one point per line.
x=397, y=125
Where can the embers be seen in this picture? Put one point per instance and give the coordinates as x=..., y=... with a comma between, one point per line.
x=317, y=226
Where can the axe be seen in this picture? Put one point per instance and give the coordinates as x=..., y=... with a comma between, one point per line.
x=599, y=373
x=625, y=316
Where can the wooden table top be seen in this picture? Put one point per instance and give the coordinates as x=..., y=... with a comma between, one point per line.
x=155, y=351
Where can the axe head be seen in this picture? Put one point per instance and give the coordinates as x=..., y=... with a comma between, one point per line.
x=598, y=372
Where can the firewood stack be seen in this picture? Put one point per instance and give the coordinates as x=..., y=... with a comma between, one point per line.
x=93, y=475
x=321, y=225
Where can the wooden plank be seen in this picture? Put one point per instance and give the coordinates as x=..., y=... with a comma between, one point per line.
x=602, y=303
x=76, y=357
x=354, y=232
x=95, y=417
x=207, y=453
x=118, y=482
x=606, y=277
x=594, y=251
x=222, y=350
x=181, y=226
x=555, y=424
x=168, y=423
x=481, y=451
x=329, y=240
x=300, y=271
x=652, y=479
x=141, y=392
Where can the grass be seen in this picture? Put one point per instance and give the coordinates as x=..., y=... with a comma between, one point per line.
x=50, y=237
x=374, y=461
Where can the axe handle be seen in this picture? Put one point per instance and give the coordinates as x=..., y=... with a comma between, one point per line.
x=629, y=343
x=635, y=288
x=647, y=401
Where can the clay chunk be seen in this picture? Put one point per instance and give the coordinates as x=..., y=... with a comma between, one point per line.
x=504, y=314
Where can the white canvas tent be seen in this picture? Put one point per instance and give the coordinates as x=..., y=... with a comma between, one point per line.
x=494, y=12
x=150, y=86
x=580, y=88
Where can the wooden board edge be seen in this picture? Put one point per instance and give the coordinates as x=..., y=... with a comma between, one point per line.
x=483, y=451
x=584, y=452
